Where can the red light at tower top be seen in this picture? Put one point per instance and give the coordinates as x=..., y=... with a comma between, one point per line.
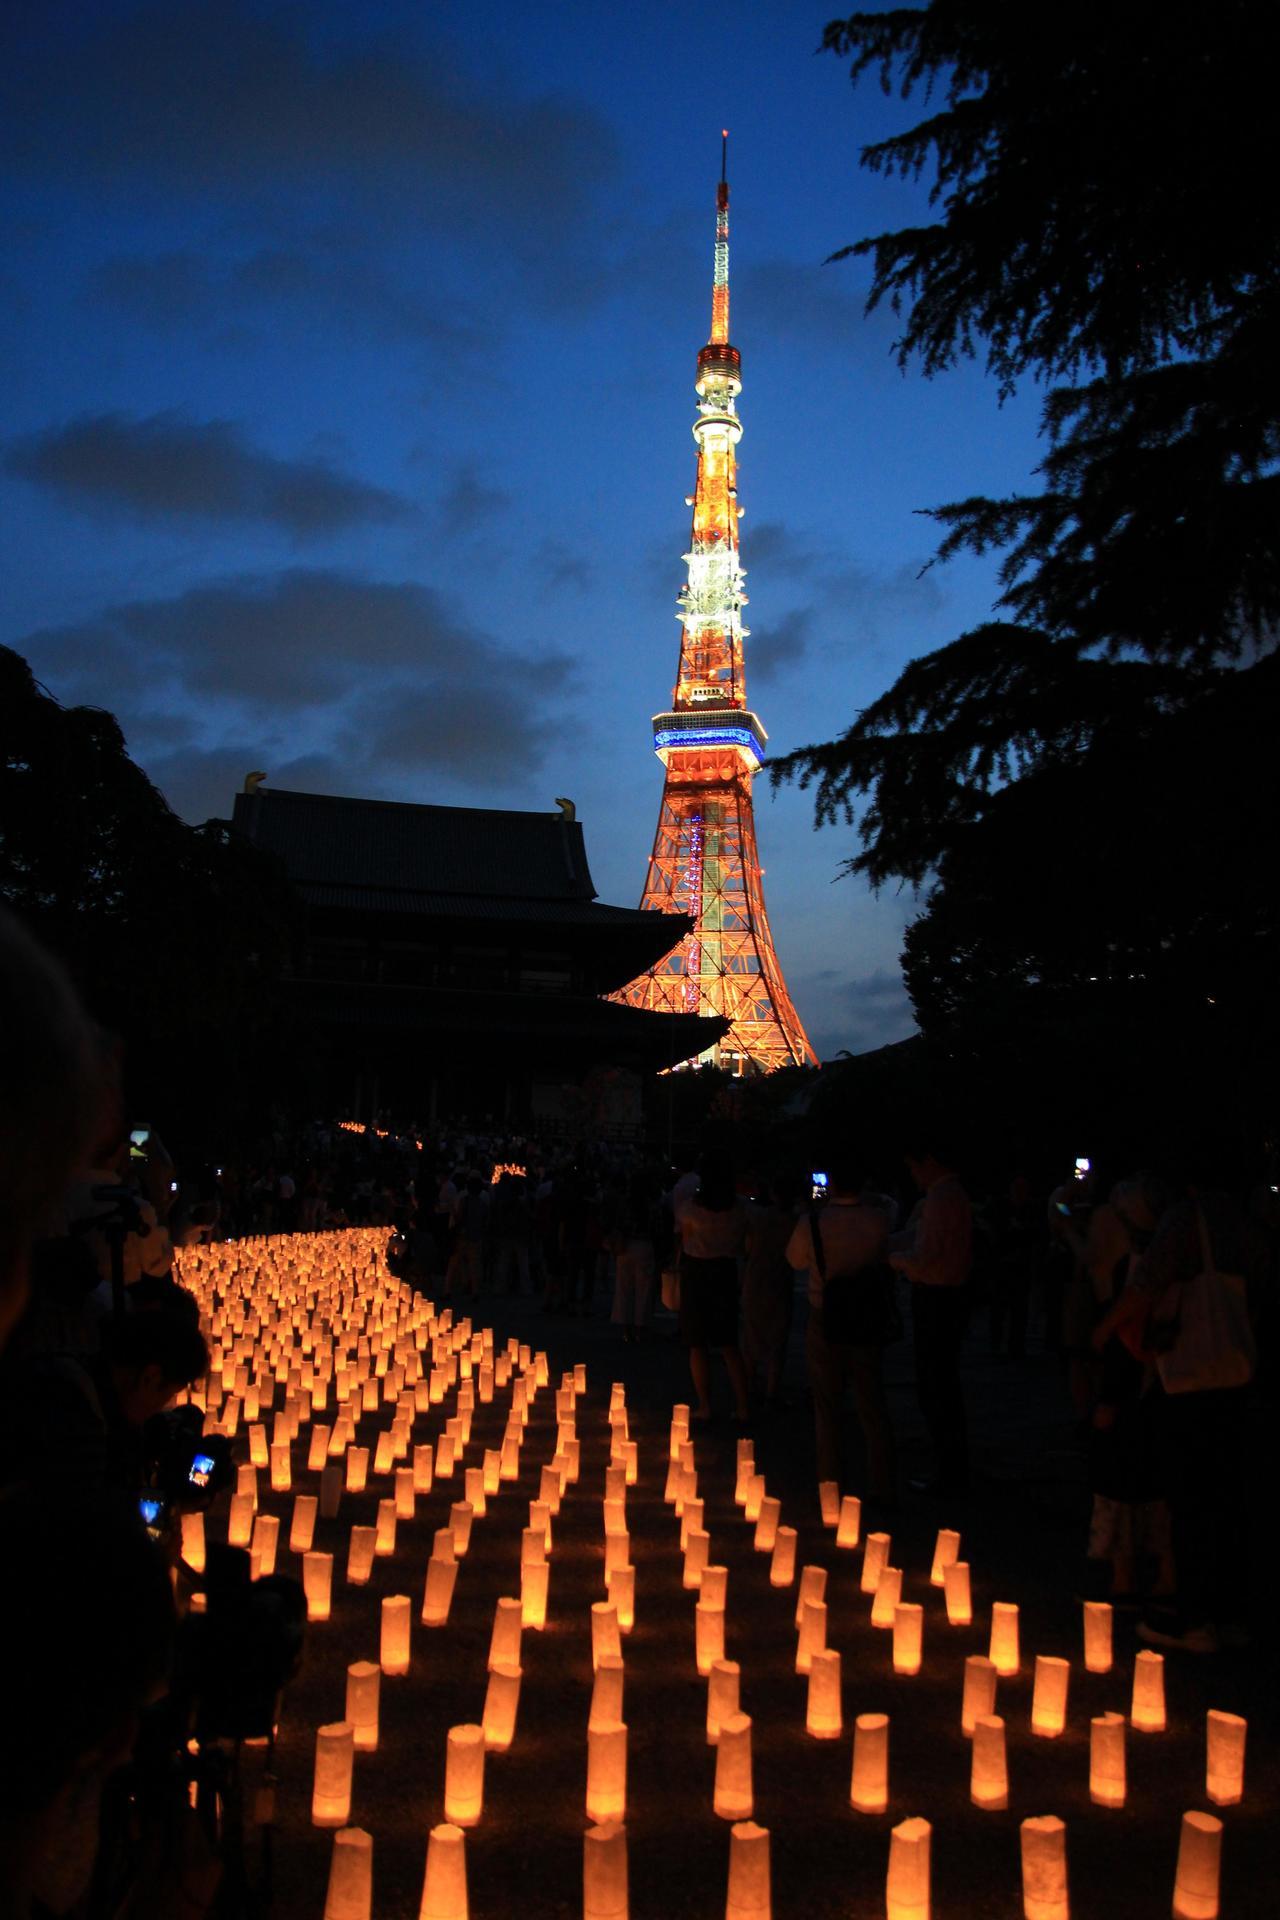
x=705, y=861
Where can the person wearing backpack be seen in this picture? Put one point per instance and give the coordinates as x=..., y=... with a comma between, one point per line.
x=843, y=1245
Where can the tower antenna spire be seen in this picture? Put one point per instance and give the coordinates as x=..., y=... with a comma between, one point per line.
x=724, y=156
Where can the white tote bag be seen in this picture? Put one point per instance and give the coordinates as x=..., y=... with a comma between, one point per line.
x=1210, y=1339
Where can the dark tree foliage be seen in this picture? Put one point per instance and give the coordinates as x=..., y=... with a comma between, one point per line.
x=175, y=935
x=1104, y=225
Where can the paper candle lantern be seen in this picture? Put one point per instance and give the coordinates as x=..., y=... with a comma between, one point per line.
x=571, y=1457
x=824, y=1718
x=955, y=1587
x=1097, y=1636
x=708, y=1636
x=385, y=1533
x=394, y=1658
x=533, y=1547
x=437, y=1597
x=782, y=1566
x=317, y=1449
x=258, y=1451
x=988, y=1770
x=317, y=1584
x=749, y=1891
x=604, y=1872
x=533, y=1594
x=1044, y=1868
x=444, y=1456
x=508, y=1459
x=1195, y=1889
x=240, y=1521
x=501, y=1700
x=734, y=1797
x=423, y=1469
x=946, y=1551
x=1049, y=1698
x=604, y=1632
x=360, y=1555
x=690, y=1520
x=364, y=1679
x=504, y=1642
x=715, y=1586
x=631, y=1461
x=813, y=1633
x=908, y=1638
x=475, y=1494
x=1147, y=1711
x=302, y=1527
x=1004, y=1638
x=607, y=1771
x=442, y=1544
x=331, y=1490
x=444, y=1890
x=755, y=1497
x=696, y=1554
x=979, y=1690
x=829, y=1502
x=849, y=1522
x=193, y=1549
x=405, y=1498
x=464, y=1776
x=540, y=1516
x=813, y=1586
x=265, y=1540
x=1106, y=1760
x=331, y=1795
x=875, y=1559
x=385, y=1453
x=888, y=1595
x=767, y=1524
x=357, y=1468
x=1224, y=1757
x=869, y=1786
x=606, y=1692
x=617, y=1553
x=620, y=1587
x=350, y=1890
x=907, y=1882
x=722, y=1696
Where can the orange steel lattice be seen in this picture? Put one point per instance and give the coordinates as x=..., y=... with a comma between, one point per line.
x=704, y=860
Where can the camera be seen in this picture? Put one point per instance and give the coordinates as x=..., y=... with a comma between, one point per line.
x=187, y=1467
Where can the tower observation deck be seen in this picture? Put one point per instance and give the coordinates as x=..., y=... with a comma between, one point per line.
x=705, y=861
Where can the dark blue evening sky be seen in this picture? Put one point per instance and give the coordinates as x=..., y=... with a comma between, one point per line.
x=349, y=354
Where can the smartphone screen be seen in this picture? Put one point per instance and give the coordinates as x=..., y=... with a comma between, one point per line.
x=151, y=1507
x=1082, y=1167
x=201, y=1468
x=139, y=1141
x=819, y=1181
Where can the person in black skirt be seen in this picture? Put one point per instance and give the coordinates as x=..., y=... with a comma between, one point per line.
x=712, y=1226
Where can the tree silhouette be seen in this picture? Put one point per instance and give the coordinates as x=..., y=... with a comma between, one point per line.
x=1064, y=779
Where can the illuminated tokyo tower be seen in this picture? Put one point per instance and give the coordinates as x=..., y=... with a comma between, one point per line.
x=704, y=861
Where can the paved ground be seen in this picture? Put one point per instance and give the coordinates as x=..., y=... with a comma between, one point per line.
x=1023, y=1531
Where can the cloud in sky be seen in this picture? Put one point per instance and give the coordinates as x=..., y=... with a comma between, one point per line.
x=356, y=680
x=857, y=1014
x=326, y=275
x=468, y=501
x=166, y=468
x=221, y=94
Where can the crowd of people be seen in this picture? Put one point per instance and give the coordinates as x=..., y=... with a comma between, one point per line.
x=1155, y=1286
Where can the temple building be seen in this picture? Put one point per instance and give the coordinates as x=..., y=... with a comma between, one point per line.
x=453, y=960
